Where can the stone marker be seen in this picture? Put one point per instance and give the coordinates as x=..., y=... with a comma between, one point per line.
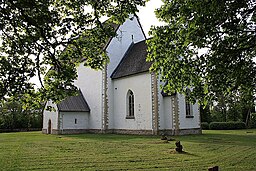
x=214, y=168
x=178, y=147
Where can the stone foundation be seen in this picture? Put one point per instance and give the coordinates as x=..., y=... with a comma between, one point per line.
x=126, y=131
x=180, y=131
x=44, y=131
x=132, y=132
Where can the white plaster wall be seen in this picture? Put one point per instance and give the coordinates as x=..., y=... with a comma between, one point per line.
x=168, y=113
x=53, y=115
x=141, y=86
x=120, y=44
x=116, y=51
x=165, y=109
x=67, y=120
x=186, y=123
x=90, y=83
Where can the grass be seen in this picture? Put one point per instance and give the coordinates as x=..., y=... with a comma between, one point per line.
x=230, y=150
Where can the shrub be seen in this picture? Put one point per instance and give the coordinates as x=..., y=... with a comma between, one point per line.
x=205, y=125
x=253, y=120
x=227, y=125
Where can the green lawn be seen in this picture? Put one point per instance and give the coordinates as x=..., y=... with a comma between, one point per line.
x=230, y=150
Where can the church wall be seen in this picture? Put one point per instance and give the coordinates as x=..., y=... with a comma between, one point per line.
x=167, y=118
x=74, y=120
x=165, y=110
x=90, y=83
x=50, y=115
x=117, y=49
x=187, y=123
x=140, y=85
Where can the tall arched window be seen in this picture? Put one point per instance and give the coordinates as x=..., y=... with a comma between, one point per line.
x=130, y=105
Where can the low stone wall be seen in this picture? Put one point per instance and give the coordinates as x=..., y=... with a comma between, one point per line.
x=20, y=130
x=190, y=131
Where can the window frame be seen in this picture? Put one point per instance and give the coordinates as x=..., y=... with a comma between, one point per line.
x=130, y=105
x=188, y=105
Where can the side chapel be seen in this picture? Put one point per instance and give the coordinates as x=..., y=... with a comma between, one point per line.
x=123, y=98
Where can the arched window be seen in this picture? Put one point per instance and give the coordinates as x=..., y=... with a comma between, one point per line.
x=189, y=110
x=130, y=105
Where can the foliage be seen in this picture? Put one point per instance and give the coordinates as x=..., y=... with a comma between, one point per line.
x=227, y=125
x=207, y=45
x=205, y=113
x=205, y=125
x=49, y=38
x=253, y=120
x=233, y=107
x=35, y=151
x=14, y=116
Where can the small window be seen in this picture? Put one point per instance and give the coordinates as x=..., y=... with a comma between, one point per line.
x=130, y=105
x=189, y=109
x=75, y=121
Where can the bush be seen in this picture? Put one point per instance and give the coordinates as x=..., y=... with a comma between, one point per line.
x=253, y=120
x=205, y=125
x=227, y=125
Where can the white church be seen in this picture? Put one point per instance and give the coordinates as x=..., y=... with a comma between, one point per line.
x=123, y=98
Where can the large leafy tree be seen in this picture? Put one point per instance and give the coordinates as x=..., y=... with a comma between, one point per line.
x=13, y=114
x=50, y=38
x=207, y=45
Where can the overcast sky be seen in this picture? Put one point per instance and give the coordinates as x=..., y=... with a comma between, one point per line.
x=147, y=15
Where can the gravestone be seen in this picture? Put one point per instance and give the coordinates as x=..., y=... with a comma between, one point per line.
x=178, y=147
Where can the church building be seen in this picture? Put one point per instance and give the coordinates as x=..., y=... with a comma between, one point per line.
x=124, y=97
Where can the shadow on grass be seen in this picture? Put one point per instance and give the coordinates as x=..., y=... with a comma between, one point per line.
x=173, y=151
x=234, y=137
x=110, y=137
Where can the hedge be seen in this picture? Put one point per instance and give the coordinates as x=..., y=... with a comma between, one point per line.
x=205, y=125
x=227, y=125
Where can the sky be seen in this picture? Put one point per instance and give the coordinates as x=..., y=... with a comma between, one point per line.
x=147, y=15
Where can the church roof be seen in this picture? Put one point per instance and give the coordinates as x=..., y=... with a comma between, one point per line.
x=133, y=62
x=114, y=26
x=74, y=104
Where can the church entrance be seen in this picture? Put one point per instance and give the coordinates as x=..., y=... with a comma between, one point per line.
x=49, y=131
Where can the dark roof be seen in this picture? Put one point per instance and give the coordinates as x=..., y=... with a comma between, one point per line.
x=74, y=104
x=133, y=62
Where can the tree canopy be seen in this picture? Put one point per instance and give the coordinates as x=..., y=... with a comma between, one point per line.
x=206, y=45
x=50, y=38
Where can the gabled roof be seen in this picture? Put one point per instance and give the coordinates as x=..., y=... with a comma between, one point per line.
x=115, y=28
x=133, y=62
x=74, y=104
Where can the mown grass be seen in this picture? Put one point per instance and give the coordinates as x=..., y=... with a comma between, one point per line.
x=230, y=150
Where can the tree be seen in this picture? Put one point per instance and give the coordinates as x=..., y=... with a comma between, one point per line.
x=207, y=45
x=13, y=114
x=50, y=38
